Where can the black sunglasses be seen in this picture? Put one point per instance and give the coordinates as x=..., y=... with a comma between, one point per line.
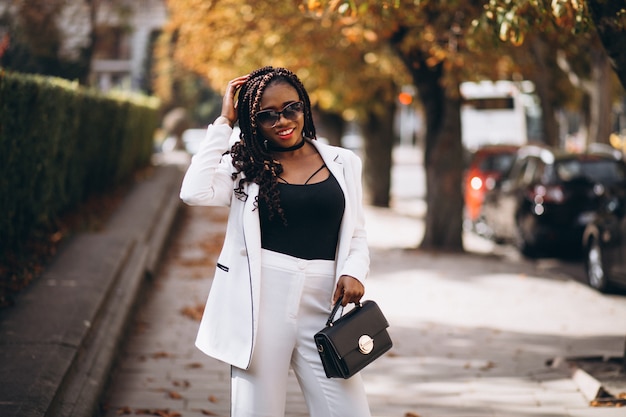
x=269, y=118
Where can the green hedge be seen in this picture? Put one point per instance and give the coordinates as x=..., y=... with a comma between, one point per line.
x=60, y=144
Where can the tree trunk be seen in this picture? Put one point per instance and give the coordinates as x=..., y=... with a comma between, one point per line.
x=443, y=150
x=329, y=125
x=443, y=159
x=377, y=130
x=600, y=93
x=86, y=55
x=543, y=86
x=606, y=17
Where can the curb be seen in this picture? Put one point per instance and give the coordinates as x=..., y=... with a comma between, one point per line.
x=595, y=391
x=59, y=343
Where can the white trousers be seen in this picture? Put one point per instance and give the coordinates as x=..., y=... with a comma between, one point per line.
x=295, y=304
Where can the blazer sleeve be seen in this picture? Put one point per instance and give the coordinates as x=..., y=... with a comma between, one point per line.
x=208, y=180
x=358, y=261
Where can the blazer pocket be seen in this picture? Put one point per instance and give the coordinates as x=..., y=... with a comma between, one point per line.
x=222, y=267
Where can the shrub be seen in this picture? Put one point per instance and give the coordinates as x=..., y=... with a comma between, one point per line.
x=61, y=144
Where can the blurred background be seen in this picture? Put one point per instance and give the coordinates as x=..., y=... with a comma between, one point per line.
x=437, y=79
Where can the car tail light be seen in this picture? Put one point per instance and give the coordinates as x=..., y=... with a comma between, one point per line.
x=476, y=183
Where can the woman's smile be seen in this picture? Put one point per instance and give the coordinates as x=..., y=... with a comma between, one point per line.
x=286, y=134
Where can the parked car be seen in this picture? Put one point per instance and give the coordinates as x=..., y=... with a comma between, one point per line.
x=549, y=196
x=604, y=242
x=485, y=168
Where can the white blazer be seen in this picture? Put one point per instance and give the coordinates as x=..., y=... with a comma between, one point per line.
x=229, y=324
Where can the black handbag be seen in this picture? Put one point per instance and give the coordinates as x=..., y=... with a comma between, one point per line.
x=354, y=340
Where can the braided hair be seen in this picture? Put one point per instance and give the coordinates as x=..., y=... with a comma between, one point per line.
x=249, y=156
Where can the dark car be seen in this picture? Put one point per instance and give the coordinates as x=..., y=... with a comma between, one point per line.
x=485, y=168
x=604, y=242
x=549, y=196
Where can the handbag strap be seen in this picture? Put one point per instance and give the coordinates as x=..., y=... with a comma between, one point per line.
x=335, y=309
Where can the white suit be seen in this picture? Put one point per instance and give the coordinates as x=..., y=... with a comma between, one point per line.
x=228, y=330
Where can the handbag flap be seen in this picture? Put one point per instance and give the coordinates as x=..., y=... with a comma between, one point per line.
x=345, y=332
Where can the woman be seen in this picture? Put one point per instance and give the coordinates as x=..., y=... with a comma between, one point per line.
x=295, y=242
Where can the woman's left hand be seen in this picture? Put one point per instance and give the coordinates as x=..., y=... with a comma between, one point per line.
x=351, y=288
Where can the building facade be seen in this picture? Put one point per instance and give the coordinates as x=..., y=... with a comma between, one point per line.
x=125, y=34
x=122, y=32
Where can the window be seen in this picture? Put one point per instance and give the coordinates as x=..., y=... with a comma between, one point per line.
x=529, y=172
x=598, y=170
x=497, y=162
x=490, y=103
x=111, y=43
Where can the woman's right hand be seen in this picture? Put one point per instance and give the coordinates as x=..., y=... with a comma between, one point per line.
x=229, y=105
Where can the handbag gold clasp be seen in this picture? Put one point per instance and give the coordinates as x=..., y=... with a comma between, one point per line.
x=366, y=344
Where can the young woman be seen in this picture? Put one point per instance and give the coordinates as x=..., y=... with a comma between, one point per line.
x=295, y=242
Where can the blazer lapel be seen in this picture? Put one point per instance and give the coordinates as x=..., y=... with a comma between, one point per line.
x=252, y=236
x=336, y=166
x=334, y=163
x=251, y=223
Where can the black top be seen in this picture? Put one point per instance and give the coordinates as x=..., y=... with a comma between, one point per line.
x=313, y=213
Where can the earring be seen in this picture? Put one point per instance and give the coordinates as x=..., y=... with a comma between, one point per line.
x=265, y=144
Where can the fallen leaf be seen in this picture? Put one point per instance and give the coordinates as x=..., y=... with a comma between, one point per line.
x=410, y=414
x=208, y=413
x=212, y=246
x=194, y=312
x=56, y=237
x=195, y=365
x=175, y=395
x=160, y=413
x=141, y=327
x=187, y=263
x=124, y=410
x=213, y=399
x=489, y=365
x=608, y=402
x=184, y=383
x=160, y=355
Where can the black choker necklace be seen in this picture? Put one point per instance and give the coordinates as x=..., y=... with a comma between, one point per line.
x=273, y=148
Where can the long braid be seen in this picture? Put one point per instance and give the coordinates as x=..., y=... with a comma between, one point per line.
x=250, y=156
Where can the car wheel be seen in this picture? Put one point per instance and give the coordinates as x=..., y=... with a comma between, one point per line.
x=596, y=272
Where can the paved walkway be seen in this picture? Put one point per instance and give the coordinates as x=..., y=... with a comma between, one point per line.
x=472, y=332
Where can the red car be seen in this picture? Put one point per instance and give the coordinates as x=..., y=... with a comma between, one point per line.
x=487, y=165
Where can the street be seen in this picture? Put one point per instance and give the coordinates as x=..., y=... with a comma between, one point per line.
x=472, y=332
